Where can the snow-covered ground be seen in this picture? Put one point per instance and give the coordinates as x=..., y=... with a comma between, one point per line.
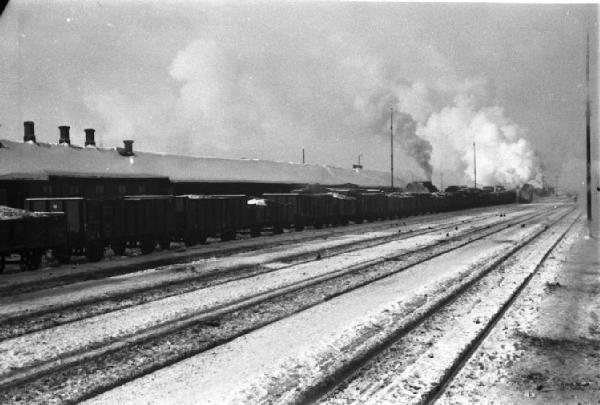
x=298, y=351
x=434, y=347
x=86, y=291
x=51, y=343
x=546, y=350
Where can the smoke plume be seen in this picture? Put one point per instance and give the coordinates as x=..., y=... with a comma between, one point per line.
x=415, y=146
x=503, y=154
x=332, y=97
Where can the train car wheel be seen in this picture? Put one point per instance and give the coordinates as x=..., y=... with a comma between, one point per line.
x=30, y=260
x=35, y=260
x=24, y=261
x=189, y=240
x=164, y=244
x=299, y=227
x=255, y=232
x=94, y=252
x=202, y=239
x=118, y=247
x=147, y=246
x=227, y=235
x=277, y=230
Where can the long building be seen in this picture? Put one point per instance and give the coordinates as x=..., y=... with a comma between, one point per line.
x=35, y=169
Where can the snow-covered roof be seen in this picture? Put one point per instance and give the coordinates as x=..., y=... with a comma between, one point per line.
x=38, y=161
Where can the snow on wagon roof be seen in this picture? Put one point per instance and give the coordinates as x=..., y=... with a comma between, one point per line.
x=38, y=161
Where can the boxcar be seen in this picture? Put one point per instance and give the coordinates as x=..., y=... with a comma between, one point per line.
x=144, y=221
x=344, y=208
x=93, y=225
x=321, y=210
x=83, y=224
x=230, y=214
x=263, y=212
x=295, y=208
x=370, y=205
x=192, y=213
x=29, y=235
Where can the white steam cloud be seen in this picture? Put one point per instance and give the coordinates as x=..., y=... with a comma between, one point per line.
x=504, y=156
x=238, y=95
x=235, y=99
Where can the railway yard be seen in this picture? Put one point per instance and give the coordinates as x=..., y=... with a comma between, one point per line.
x=448, y=307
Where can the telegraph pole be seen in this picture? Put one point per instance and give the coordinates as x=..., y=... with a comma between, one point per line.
x=475, y=164
x=392, y=147
x=303, y=160
x=588, y=172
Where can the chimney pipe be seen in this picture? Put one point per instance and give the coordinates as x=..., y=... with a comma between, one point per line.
x=128, y=147
x=89, y=137
x=64, y=135
x=29, y=132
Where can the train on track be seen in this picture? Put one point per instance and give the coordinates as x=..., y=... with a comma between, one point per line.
x=77, y=226
x=525, y=193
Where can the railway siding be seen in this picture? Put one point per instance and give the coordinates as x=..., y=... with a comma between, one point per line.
x=51, y=343
x=18, y=283
x=368, y=316
x=270, y=257
x=546, y=348
x=161, y=347
x=418, y=382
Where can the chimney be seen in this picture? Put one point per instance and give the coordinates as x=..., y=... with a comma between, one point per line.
x=29, y=132
x=64, y=135
x=128, y=147
x=89, y=137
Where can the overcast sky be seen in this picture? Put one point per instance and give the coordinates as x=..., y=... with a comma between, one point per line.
x=266, y=79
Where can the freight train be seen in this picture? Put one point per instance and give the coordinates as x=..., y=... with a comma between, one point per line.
x=77, y=226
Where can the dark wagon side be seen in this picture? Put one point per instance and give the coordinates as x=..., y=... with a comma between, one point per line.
x=29, y=235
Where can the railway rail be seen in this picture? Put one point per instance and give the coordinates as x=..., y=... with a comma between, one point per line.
x=109, y=361
x=30, y=312
x=19, y=283
x=437, y=347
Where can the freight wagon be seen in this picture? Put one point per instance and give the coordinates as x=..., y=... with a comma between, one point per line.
x=29, y=235
x=89, y=226
x=92, y=225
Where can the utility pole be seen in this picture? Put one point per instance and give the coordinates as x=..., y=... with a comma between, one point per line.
x=392, y=147
x=588, y=172
x=442, y=175
x=358, y=166
x=303, y=159
x=475, y=164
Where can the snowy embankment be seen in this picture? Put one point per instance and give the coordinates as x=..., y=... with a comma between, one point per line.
x=546, y=348
x=296, y=353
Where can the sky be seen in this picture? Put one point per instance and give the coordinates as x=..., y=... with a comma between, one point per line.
x=268, y=79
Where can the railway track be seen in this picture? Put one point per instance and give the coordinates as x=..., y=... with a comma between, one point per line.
x=55, y=373
x=19, y=283
x=35, y=311
x=438, y=345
